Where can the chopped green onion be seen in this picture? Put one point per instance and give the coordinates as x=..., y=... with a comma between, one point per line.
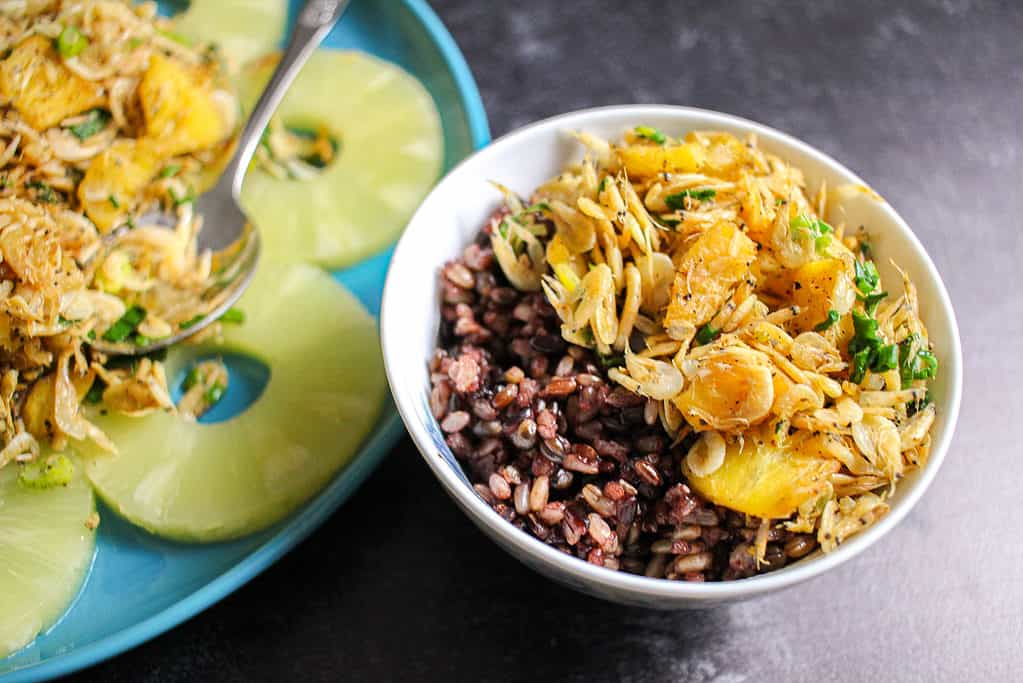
x=861, y=361
x=71, y=42
x=56, y=470
x=866, y=276
x=603, y=185
x=113, y=202
x=611, y=360
x=816, y=229
x=141, y=340
x=828, y=322
x=95, y=394
x=169, y=170
x=191, y=379
x=176, y=37
x=539, y=206
x=887, y=358
x=233, y=315
x=91, y=336
x=871, y=301
x=706, y=334
x=214, y=393
x=121, y=329
x=676, y=201
x=652, y=134
x=922, y=365
x=864, y=333
x=44, y=192
x=95, y=121
x=178, y=201
x=191, y=322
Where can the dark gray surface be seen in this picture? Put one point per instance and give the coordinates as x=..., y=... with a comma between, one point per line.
x=924, y=101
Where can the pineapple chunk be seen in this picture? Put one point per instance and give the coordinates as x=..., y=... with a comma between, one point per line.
x=715, y=263
x=817, y=288
x=760, y=479
x=727, y=389
x=41, y=88
x=644, y=161
x=181, y=113
x=114, y=179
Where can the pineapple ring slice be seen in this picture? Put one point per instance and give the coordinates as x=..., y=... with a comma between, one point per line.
x=390, y=153
x=211, y=482
x=241, y=29
x=46, y=552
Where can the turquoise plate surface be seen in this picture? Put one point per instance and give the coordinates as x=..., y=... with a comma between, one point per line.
x=141, y=586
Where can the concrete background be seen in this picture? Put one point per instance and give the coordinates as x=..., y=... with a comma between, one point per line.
x=923, y=99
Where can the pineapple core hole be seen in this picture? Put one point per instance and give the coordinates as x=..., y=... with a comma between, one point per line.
x=247, y=378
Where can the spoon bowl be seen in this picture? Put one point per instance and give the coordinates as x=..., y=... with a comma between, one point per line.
x=226, y=230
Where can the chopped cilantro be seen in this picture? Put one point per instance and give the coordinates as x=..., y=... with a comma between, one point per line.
x=95, y=121
x=603, y=185
x=71, y=42
x=652, y=134
x=827, y=322
x=169, y=170
x=677, y=201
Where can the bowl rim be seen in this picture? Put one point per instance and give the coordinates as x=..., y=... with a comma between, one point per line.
x=617, y=582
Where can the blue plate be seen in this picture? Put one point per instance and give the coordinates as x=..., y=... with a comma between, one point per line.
x=139, y=585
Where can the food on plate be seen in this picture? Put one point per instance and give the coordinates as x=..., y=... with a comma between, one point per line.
x=352, y=150
x=47, y=536
x=109, y=115
x=668, y=361
x=194, y=481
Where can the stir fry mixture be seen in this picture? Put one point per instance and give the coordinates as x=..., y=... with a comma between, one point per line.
x=713, y=287
x=107, y=117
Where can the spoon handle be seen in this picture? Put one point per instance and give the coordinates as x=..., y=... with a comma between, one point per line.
x=315, y=20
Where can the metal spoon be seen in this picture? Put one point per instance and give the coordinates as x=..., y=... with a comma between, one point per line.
x=227, y=231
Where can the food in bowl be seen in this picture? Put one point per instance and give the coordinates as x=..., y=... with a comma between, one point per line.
x=667, y=361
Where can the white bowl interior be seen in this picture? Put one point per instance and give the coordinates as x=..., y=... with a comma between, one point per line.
x=455, y=211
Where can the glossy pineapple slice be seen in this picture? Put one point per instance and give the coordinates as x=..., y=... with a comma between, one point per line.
x=390, y=153
x=210, y=482
x=760, y=479
x=45, y=552
x=241, y=29
x=44, y=91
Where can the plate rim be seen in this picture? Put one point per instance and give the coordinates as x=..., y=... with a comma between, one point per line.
x=314, y=513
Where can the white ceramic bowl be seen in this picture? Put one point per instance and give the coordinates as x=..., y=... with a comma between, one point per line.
x=452, y=214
